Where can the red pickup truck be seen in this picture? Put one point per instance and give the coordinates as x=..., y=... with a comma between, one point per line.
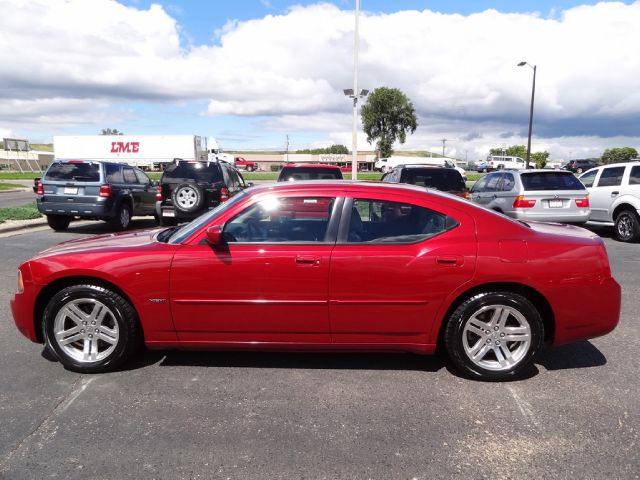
x=242, y=163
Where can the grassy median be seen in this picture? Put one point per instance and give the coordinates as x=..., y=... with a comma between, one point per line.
x=28, y=211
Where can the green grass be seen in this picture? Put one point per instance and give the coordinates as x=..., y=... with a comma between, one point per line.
x=23, y=212
x=19, y=175
x=9, y=186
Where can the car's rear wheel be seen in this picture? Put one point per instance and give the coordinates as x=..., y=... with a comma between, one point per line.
x=494, y=335
x=122, y=219
x=627, y=226
x=90, y=329
x=187, y=197
x=58, y=222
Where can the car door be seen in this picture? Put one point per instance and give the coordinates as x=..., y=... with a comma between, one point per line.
x=604, y=192
x=269, y=283
x=135, y=189
x=393, y=265
x=147, y=192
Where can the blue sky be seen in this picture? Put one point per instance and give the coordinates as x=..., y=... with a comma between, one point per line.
x=252, y=72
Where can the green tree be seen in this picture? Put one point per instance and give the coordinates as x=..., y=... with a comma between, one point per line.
x=110, y=131
x=512, y=151
x=617, y=155
x=540, y=159
x=387, y=116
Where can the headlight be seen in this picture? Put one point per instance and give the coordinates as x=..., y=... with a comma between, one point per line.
x=20, y=282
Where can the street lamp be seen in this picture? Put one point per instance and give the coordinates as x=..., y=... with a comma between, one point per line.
x=533, y=93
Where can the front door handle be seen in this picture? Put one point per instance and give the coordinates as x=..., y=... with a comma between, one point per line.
x=449, y=260
x=308, y=260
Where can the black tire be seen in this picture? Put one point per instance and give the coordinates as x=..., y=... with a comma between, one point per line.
x=167, y=221
x=188, y=197
x=109, y=331
x=477, y=331
x=627, y=226
x=251, y=168
x=58, y=222
x=122, y=219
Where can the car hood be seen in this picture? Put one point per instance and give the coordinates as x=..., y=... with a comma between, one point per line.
x=106, y=242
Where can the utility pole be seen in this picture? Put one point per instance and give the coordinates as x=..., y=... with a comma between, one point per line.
x=287, y=147
x=444, y=141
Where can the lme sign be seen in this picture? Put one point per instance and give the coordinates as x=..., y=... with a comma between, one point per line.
x=125, y=147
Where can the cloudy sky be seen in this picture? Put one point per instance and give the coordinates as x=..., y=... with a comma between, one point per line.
x=251, y=72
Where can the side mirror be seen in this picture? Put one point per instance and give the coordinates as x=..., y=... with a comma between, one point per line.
x=250, y=184
x=214, y=235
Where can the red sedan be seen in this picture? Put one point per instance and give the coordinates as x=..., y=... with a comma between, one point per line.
x=325, y=266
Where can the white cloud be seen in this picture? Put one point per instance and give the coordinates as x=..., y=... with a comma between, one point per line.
x=73, y=60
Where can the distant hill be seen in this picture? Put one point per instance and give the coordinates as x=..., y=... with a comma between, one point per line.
x=45, y=147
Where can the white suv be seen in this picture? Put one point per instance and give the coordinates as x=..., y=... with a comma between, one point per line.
x=614, y=195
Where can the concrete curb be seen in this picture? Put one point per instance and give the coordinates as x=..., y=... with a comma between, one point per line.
x=16, y=225
x=15, y=190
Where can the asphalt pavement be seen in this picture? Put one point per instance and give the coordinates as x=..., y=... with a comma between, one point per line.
x=191, y=415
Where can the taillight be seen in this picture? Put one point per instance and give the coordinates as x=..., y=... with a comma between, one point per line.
x=582, y=202
x=521, y=202
x=159, y=193
x=224, y=194
x=40, y=190
x=466, y=195
x=105, y=191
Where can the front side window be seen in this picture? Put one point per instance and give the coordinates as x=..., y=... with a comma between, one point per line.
x=480, y=185
x=493, y=183
x=142, y=177
x=129, y=176
x=378, y=221
x=281, y=220
x=611, y=177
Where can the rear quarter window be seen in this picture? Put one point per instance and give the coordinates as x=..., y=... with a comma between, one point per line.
x=551, y=181
x=73, y=172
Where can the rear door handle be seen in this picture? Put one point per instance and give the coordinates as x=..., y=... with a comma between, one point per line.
x=308, y=260
x=613, y=194
x=449, y=260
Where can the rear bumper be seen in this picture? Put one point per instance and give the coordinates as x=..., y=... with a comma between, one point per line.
x=88, y=210
x=551, y=216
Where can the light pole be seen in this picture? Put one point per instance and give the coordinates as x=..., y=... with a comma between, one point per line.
x=355, y=94
x=533, y=94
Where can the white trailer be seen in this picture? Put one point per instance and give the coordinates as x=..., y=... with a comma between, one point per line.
x=140, y=150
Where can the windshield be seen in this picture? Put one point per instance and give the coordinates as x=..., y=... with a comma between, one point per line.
x=188, y=229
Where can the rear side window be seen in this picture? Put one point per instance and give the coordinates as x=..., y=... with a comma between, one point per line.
x=301, y=173
x=114, y=173
x=73, y=172
x=130, y=176
x=197, y=171
x=611, y=177
x=551, y=181
x=445, y=179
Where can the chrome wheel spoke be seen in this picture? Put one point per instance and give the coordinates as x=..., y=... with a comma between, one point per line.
x=74, y=313
x=516, y=334
x=108, y=335
x=69, y=336
x=476, y=326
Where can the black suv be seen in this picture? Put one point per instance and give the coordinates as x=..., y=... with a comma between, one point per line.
x=94, y=190
x=440, y=178
x=579, y=166
x=188, y=188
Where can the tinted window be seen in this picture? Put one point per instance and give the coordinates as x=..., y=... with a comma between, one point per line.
x=281, y=220
x=113, y=173
x=376, y=221
x=611, y=176
x=588, y=178
x=550, y=181
x=198, y=171
x=441, y=179
x=493, y=182
x=78, y=172
x=142, y=177
x=302, y=173
x=634, y=177
x=129, y=175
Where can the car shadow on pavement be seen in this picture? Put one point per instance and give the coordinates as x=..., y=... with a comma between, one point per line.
x=305, y=360
x=574, y=355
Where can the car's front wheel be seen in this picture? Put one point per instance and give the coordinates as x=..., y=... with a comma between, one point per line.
x=90, y=329
x=627, y=226
x=494, y=335
x=58, y=222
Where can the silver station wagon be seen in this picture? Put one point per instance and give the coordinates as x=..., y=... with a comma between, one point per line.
x=543, y=195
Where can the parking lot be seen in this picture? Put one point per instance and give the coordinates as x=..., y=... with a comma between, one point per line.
x=275, y=415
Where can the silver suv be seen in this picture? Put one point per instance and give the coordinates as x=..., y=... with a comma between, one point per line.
x=615, y=198
x=543, y=195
